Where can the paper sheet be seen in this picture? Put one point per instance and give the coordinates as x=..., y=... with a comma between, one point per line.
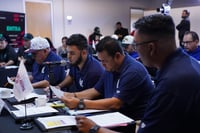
x=11, y=67
x=57, y=121
x=85, y=111
x=32, y=110
x=2, y=103
x=103, y=120
x=110, y=119
x=57, y=92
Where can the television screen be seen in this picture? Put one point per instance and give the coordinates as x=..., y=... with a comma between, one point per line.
x=12, y=24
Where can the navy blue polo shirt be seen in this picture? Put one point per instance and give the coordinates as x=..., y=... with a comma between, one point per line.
x=132, y=85
x=195, y=53
x=175, y=106
x=8, y=54
x=41, y=72
x=88, y=76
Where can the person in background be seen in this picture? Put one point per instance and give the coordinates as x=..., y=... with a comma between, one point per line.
x=174, y=107
x=51, y=44
x=191, y=44
x=125, y=86
x=93, y=39
x=85, y=70
x=24, y=55
x=128, y=47
x=62, y=50
x=95, y=36
x=120, y=31
x=8, y=56
x=183, y=26
x=42, y=54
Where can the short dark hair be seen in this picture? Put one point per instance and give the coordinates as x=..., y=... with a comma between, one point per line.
x=78, y=40
x=118, y=23
x=64, y=37
x=156, y=26
x=187, y=12
x=193, y=34
x=110, y=45
x=96, y=29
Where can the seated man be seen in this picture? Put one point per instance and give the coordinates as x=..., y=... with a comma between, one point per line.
x=8, y=56
x=27, y=56
x=175, y=105
x=128, y=47
x=62, y=50
x=125, y=85
x=41, y=51
x=85, y=70
x=191, y=44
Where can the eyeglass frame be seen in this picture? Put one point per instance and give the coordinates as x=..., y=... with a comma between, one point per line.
x=186, y=42
x=134, y=44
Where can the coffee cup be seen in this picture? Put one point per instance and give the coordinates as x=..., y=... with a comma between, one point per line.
x=40, y=101
x=5, y=93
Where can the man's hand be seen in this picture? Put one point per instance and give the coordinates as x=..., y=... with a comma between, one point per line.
x=71, y=102
x=84, y=124
x=2, y=64
x=68, y=95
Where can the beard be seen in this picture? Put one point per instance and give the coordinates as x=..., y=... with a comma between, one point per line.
x=78, y=61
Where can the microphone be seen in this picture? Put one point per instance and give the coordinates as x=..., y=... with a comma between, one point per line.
x=53, y=63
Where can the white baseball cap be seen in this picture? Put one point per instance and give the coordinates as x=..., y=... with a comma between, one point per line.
x=128, y=39
x=38, y=43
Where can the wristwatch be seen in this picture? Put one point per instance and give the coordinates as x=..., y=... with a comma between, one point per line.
x=81, y=104
x=94, y=129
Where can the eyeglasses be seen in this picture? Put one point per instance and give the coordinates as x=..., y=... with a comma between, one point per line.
x=141, y=43
x=187, y=42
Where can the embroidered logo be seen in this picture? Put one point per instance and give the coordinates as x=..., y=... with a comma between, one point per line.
x=118, y=91
x=143, y=125
x=81, y=82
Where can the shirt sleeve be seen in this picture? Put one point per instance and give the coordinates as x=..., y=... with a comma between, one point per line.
x=99, y=86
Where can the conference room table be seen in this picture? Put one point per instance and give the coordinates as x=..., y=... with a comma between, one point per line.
x=9, y=125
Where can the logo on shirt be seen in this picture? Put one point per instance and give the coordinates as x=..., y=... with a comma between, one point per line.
x=81, y=82
x=118, y=91
x=143, y=125
x=42, y=71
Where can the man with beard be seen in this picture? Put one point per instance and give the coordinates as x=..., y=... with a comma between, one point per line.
x=125, y=86
x=84, y=69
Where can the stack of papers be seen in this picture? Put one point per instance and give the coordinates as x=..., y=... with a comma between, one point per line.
x=103, y=120
x=56, y=121
x=32, y=110
x=85, y=111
